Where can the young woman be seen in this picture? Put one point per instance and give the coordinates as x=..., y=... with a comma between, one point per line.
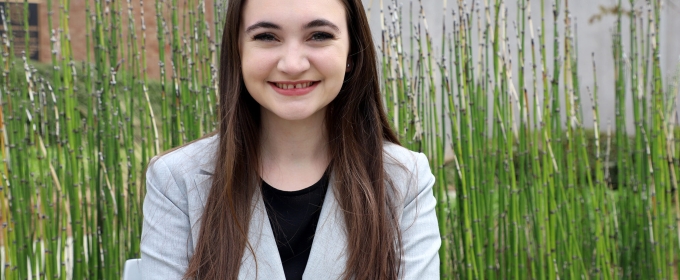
x=304, y=178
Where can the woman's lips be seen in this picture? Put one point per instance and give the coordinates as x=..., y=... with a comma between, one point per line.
x=294, y=88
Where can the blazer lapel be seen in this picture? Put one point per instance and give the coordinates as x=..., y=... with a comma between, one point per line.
x=196, y=198
x=266, y=263
x=328, y=256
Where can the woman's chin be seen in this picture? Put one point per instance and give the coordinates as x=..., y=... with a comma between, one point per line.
x=296, y=115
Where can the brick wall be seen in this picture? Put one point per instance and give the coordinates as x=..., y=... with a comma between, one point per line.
x=78, y=33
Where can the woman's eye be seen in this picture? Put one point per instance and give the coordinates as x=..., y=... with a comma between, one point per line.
x=264, y=37
x=321, y=36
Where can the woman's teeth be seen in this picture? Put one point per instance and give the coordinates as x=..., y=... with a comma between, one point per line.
x=292, y=86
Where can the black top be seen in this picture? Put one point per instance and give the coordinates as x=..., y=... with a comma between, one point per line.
x=294, y=216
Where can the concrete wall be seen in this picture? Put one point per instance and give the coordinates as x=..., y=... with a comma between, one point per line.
x=593, y=38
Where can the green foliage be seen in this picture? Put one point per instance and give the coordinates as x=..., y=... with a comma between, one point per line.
x=534, y=189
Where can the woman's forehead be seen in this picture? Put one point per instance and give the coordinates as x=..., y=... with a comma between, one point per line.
x=295, y=14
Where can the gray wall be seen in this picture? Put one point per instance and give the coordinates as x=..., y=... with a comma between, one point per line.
x=595, y=38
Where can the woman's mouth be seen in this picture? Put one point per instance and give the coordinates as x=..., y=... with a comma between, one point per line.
x=294, y=85
x=296, y=88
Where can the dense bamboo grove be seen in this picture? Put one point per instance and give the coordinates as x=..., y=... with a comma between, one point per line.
x=537, y=195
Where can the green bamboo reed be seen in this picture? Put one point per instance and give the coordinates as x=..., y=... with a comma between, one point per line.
x=150, y=145
x=435, y=143
x=464, y=260
x=21, y=227
x=58, y=158
x=536, y=194
x=4, y=198
x=129, y=227
x=444, y=212
x=72, y=164
x=620, y=137
x=523, y=149
x=109, y=159
x=165, y=101
x=6, y=59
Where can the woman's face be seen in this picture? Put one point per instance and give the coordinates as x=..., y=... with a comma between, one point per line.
x=293, y=55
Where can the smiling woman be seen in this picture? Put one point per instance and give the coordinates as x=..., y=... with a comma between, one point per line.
x=304, y=178
x=294, y=63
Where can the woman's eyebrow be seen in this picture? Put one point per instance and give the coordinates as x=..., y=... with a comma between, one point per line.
x=321, y=23
x=311, y=24
x=262, y=24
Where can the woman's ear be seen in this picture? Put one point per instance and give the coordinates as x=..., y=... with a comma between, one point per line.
x=349, y=66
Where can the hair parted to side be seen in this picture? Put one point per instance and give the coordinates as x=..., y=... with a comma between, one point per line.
x=357, y=127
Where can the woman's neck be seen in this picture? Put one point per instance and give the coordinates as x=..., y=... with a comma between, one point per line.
x=294, y=154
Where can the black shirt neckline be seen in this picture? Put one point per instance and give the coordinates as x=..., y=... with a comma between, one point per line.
x=308, y=189
x=294, y=216
x=276, y=191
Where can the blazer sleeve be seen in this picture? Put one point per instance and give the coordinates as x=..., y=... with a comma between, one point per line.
x=420, y=230
x=166, y=239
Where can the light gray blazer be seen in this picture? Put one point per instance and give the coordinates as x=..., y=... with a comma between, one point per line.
x=178, y=184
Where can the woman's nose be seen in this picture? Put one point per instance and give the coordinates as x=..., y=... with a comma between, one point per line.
x=293, y=60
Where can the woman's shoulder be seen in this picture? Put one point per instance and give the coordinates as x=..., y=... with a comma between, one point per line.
x=191, y=157
x=410, y=174
x=396, y=155
x=408, y=171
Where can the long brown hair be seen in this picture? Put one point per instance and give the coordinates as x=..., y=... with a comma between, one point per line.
x=357, y=127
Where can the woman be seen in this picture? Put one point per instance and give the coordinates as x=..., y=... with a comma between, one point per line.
x=304, y=178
